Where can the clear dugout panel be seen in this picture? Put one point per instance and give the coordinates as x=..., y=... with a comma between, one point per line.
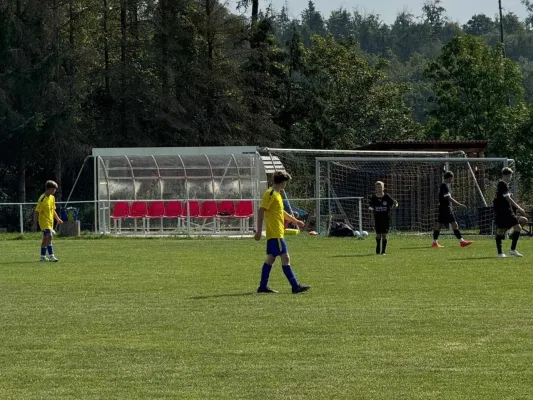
x=121, y=185
x=247, y=167
x=145, y=175
x=199, y=177
x=173, y=179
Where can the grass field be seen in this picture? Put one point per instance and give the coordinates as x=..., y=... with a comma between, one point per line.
x=179, y=319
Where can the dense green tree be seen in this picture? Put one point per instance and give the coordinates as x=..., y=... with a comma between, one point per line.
x=349, y=102
x=479, y=25
x=477, y=94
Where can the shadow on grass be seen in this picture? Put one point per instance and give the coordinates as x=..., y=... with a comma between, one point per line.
x=19, y=262
x=416, y=248
x=474, y=258
x=216, y=296
x=354, y=255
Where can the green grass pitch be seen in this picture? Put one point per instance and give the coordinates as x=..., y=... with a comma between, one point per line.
x=179, y=319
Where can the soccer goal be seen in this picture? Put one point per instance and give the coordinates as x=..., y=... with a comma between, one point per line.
x=335, y=203
x=414, y=183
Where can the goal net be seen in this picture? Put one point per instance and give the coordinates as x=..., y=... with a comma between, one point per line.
x=347, y=206
x=414, y=183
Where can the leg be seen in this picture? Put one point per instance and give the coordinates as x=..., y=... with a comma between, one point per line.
x=515, y=236
x=50, y=247
x=514, y=221
x=500, y=235
x=265, y=275
x=44, y=245
x=289, y=273
x=384, y=240
x=457, y=233
x=287, y=270
x=436, y=234
x=378, y=243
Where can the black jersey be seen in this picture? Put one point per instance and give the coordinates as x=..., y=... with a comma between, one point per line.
x=381, y=206
x=500, y=202
x=444, y=197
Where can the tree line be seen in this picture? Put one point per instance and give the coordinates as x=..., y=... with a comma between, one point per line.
x=107, y=73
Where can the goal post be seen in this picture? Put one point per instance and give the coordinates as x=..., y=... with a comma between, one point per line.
x=414, y=182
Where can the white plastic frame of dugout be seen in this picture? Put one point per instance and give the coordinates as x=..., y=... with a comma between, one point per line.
x=103, y=200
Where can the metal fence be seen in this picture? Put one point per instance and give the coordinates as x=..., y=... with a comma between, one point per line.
x=18, y=217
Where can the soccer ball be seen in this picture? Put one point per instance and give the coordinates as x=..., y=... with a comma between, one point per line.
x=357, y=234
x=364, y=234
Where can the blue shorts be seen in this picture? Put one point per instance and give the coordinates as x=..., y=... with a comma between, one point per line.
x=276, y=247
x=47, y=232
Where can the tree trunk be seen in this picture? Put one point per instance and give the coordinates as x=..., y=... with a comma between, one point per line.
x=106, y=49
x=123, y=45
x=255, y=11
x=58, y=174
x=163, y=4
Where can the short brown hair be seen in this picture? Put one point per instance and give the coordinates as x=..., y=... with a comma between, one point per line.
x=507, y=171
x=281, y=176
x=448, y=174
x=51, y=185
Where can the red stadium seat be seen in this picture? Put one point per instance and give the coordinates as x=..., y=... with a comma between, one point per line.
x=191, y=209
x=244, y=211
x=209, y=210
x=174, y=210
x=226, y=209
x=139, y=210
x=156, y=209
x=121, y=211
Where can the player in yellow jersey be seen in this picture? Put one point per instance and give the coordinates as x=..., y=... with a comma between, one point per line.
x=272, y=211
x=44, y=215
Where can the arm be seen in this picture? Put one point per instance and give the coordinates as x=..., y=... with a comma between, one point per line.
x=290, y=218
x=456, y=202
x=35, y=219
x=260, y=217
x=56, y=217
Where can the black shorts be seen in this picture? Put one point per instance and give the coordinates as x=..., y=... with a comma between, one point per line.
x=382, y=226
x=446, y=217
x=505, y=220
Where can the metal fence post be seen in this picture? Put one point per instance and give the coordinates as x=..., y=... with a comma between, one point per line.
x=21, y=220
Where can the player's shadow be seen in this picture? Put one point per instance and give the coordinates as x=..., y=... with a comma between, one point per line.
x=354, y=255
x=18, y=262
x=216, y=296
x=471, y=258
x=415, y=248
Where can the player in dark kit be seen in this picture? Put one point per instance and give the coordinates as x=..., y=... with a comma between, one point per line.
x=381, y=205
x=446, y=215
x=504, y=216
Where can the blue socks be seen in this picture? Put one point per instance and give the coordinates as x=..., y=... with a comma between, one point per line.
x=50, y=250
x=287, y=270
x=43, y=251
x=265, y=274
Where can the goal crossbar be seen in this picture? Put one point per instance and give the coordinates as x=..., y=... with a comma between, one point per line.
x=417, y=159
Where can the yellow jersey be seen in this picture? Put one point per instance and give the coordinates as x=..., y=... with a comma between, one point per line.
x=46, y=207
x=274, y=214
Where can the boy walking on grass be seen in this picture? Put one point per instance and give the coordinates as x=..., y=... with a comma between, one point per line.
x=274, y=214
x=44, y=216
